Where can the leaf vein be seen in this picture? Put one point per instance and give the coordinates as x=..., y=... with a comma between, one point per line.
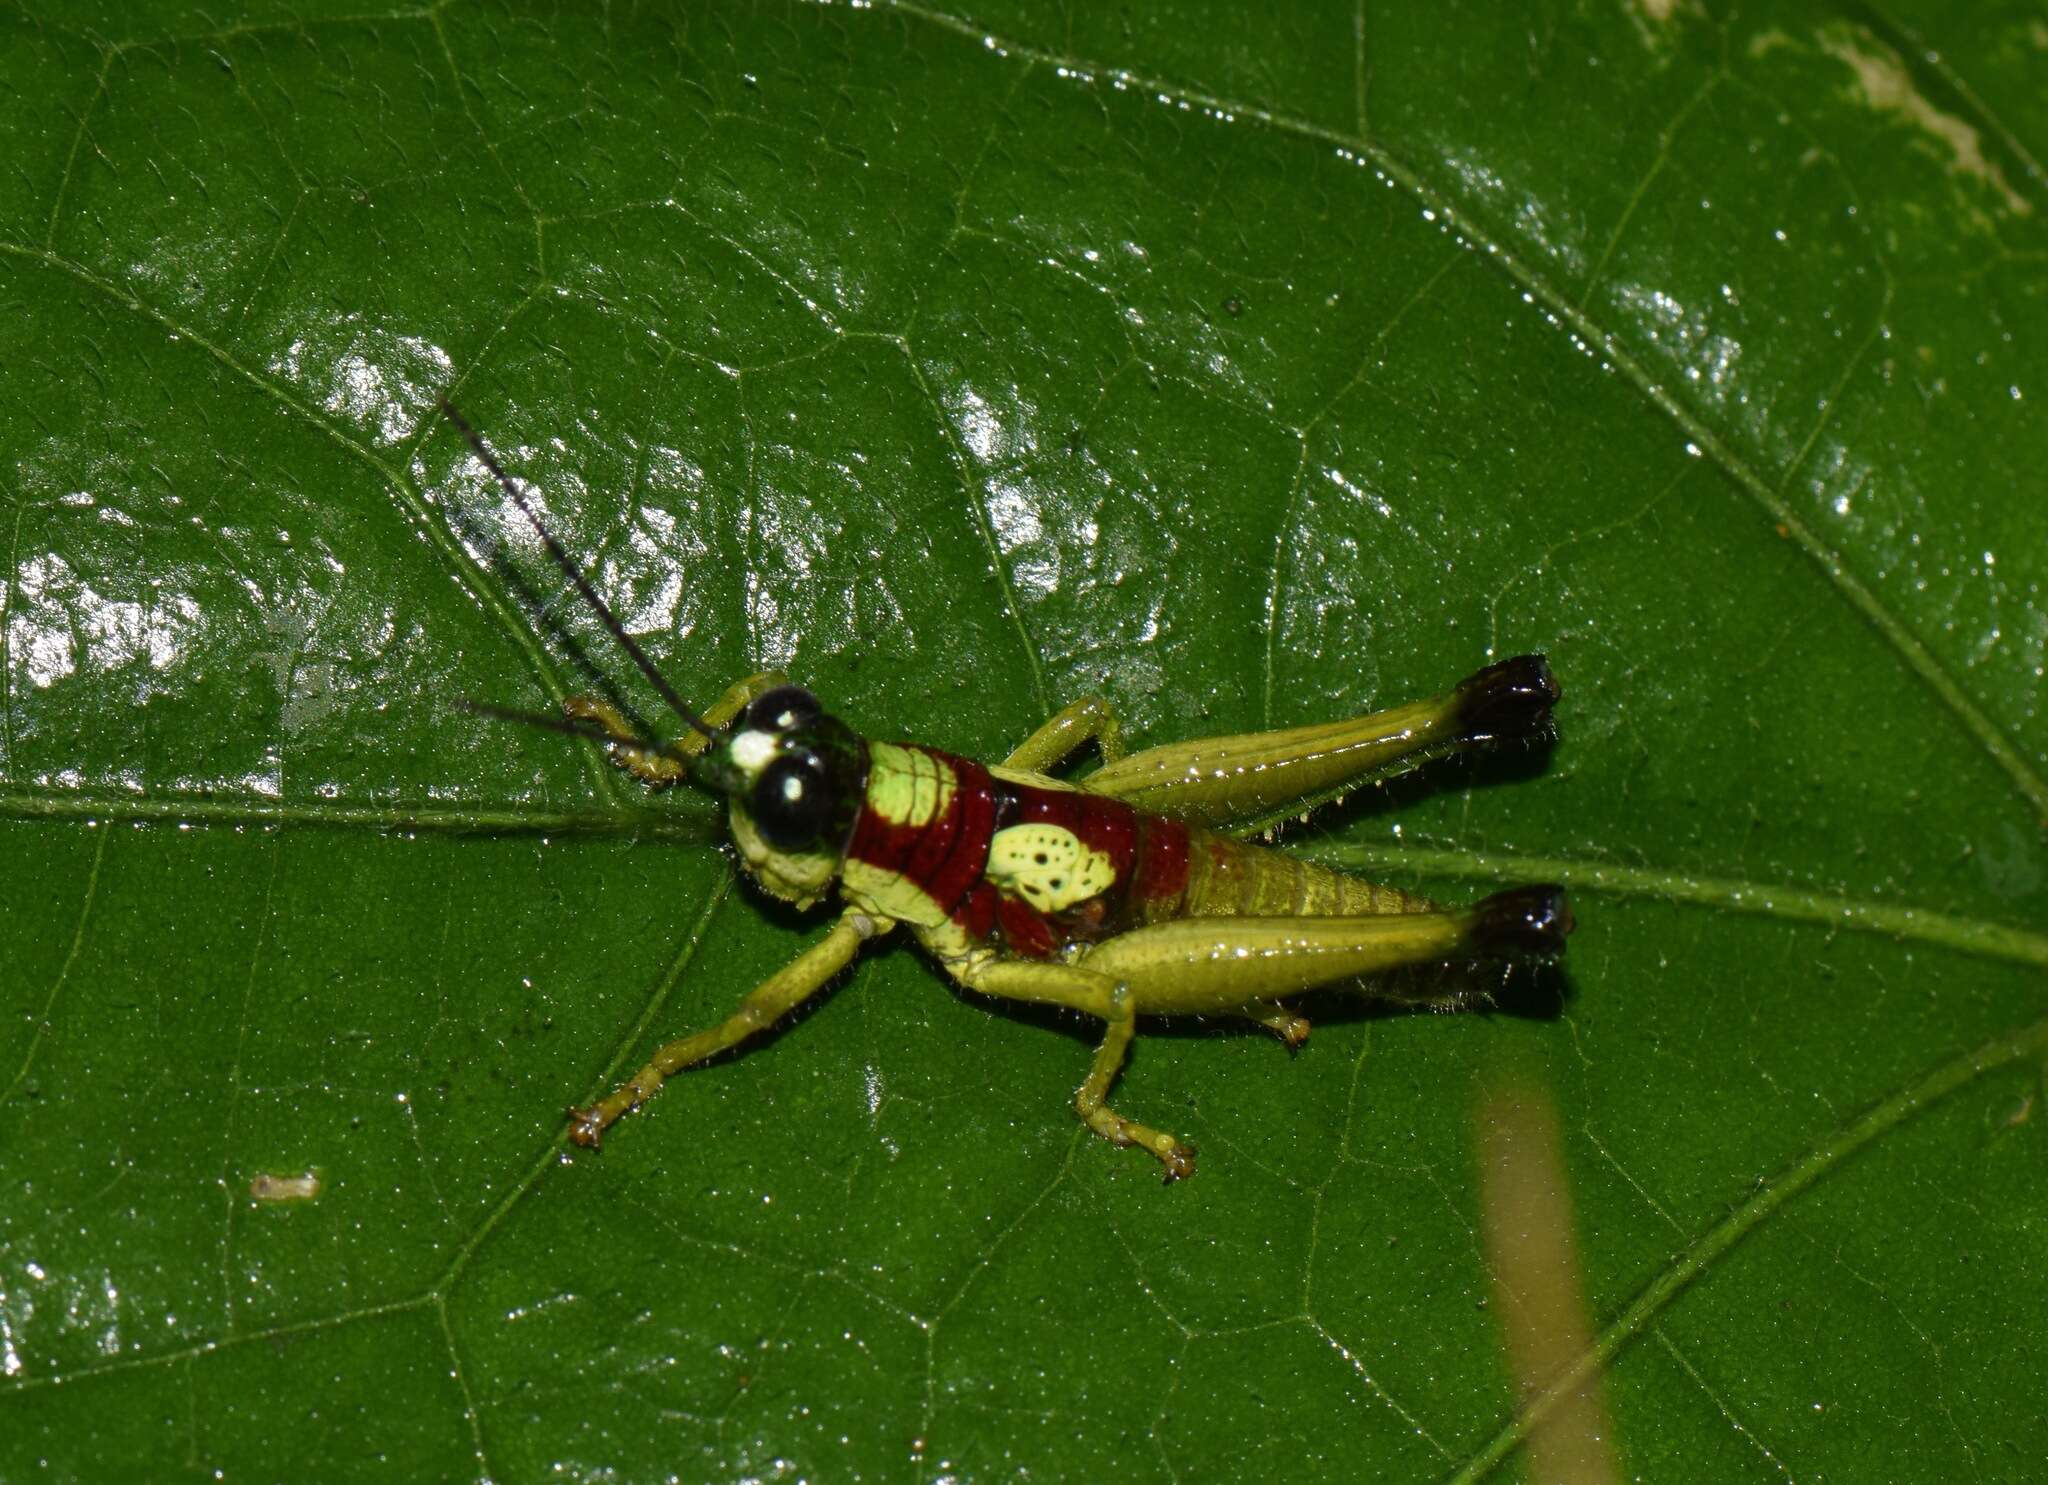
x=1717, y=1241
x=2026, y=779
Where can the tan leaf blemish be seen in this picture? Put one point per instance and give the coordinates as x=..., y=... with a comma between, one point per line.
x=1887, y=87
x=1539, y=1284
x=301, y=1187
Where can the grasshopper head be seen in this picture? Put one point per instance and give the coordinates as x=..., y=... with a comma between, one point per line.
x=793, y=779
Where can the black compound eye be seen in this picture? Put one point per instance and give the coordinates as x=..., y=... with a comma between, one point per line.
x=784, y=710
x=793, y=801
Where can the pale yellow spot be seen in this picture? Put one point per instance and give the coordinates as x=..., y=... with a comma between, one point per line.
x=907, y=787
x=268, y=1187
x=1049, y=867
x=753, y=751
x=888, y=894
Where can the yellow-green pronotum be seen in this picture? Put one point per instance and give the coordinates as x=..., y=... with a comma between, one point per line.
x=1117, y=895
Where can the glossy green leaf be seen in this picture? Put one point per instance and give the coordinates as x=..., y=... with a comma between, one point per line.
x=1247, y=369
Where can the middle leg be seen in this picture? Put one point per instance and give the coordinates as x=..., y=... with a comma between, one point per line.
x=1073, y=727
x=1098, y=995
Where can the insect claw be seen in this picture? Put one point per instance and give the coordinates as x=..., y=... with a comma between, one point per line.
x=586, y=1126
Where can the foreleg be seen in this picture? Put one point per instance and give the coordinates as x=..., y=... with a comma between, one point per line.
x=767, y=1003
x=663, y=766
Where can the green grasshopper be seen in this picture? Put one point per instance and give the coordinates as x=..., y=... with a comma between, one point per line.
x=1118, y=895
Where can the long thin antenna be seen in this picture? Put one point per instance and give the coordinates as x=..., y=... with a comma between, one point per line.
x=575, y=573
x=546, y=721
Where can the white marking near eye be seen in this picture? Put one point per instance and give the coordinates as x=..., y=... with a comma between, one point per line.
x=793, y=788
x=751, y=750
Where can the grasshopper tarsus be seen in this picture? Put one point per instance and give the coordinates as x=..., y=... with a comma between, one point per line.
x=586, y=1125
x=1292, y=1030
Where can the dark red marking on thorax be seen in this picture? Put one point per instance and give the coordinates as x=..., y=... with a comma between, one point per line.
x=1026, y=930
x=947, y=857
x=947, y=854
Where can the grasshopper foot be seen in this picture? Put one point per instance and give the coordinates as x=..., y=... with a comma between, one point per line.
x=1522, y=921
x=588, y=1122
x=1283, y=1023
x=1177, y=1157
x=586, y=1126
x=1508, y=702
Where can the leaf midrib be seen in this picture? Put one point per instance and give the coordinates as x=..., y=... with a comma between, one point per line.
x=1963, y=933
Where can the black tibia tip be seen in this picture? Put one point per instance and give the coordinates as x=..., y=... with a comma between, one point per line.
x=1521, y=920
x=1508, y=702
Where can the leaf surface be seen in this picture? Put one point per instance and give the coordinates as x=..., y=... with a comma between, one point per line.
x=1245, y=371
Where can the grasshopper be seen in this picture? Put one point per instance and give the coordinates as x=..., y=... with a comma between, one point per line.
x=1118, y=895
